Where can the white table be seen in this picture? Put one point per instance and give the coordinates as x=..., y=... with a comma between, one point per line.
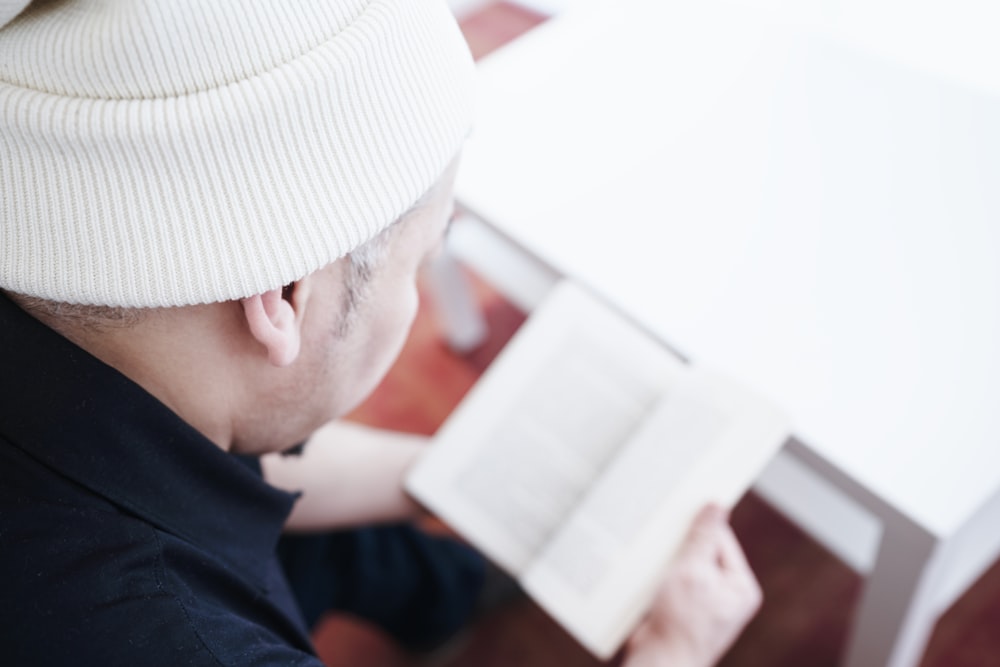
x=774, y=198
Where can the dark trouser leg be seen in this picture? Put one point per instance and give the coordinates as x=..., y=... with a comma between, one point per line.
x=420, y=589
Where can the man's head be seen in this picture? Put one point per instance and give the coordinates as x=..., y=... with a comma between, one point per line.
x=242, y=188
x=263, y=372
x=331, y=337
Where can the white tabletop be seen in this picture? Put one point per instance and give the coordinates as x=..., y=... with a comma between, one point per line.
x=819, y=221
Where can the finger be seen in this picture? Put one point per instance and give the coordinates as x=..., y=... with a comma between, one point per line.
x=729, y=552
x=734, y=566
x=701, y=538
x=716, y=511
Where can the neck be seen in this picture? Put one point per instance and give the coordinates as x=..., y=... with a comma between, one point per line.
x=181, y=357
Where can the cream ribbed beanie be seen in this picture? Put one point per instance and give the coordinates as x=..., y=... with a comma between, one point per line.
x=174, y=152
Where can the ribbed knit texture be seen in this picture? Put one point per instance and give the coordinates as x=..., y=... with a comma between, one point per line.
x=173, y=152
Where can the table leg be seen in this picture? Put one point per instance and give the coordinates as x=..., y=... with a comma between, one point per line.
x=462, y=321
x=898, y=608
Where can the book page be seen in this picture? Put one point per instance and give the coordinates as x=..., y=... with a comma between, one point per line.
x=534, y=466
x=549, y=415
x=705, y=441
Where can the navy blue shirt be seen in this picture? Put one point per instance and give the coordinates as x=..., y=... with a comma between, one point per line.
x=126, y=537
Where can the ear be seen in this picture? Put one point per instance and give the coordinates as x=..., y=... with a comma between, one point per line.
x=273, y=323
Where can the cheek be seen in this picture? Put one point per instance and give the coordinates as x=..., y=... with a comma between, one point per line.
x=397, y=327
x=410, y=306
x=385, y=340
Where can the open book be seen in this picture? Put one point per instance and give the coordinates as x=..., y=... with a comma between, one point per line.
x=581, y=456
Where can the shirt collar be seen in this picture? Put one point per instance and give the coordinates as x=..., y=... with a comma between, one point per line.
x=90, y=423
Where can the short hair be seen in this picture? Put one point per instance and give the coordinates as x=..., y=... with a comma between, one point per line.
x=363, y=262
x=96, y=318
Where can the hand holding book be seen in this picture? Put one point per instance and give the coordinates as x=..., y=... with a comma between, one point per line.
x=707, y=598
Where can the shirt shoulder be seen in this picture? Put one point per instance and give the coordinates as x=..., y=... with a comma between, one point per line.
x=92, y=584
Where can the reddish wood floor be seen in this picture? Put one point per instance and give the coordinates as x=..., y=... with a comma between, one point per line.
x=809, y=595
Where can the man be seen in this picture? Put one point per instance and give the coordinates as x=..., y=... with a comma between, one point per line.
x=213, y=215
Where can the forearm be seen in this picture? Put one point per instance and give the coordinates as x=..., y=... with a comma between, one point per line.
x=348, y=475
